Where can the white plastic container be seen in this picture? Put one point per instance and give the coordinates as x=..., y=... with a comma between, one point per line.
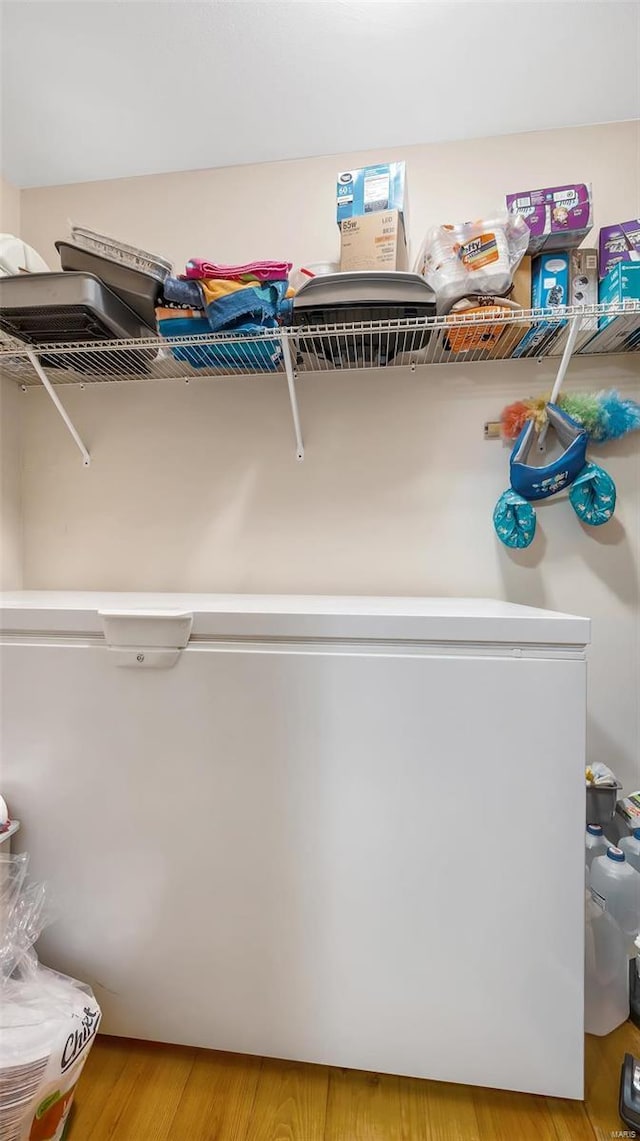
x=301, y=276
x=630, y=845
x=615, y=887
x=595, y=843
x=606, y=999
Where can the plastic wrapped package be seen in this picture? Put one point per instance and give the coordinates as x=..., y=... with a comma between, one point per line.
x=468, y=258
x=47, y=1021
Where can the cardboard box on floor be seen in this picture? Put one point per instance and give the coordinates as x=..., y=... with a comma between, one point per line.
x=521, y=294
x=373, y=241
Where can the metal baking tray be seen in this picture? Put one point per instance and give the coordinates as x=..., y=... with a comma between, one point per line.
x=137, y=288
x=54, y=308
x=119, y=251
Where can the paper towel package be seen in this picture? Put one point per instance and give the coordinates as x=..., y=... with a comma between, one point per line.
x=558, y=217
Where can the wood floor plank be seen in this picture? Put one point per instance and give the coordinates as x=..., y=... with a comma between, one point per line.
x=364, y=1107
x=604, y=1058
x=570, y=1120
x=451, y=1112
x=414, y=1108
x=145, y=1097
x=290, y=1102
x=504, y=1115
x=102, y=1069
x=218, y=1099
x=138, y=1091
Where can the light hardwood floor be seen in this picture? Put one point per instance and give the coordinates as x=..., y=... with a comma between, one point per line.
x=138, y=1091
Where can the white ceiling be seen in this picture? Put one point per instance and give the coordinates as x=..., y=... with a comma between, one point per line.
x=96, y=89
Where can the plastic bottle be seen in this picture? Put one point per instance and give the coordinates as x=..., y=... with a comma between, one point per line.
x=606, y=1000
x=634, y=985
x=630, y=845
x=615, y=887
x=596, y=843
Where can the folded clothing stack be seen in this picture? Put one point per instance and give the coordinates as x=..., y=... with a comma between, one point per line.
x=240, y=300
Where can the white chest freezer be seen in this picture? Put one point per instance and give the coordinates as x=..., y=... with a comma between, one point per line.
x=343, y=830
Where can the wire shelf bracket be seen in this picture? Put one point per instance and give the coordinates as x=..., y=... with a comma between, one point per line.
x=293, y=398
x=38, y=369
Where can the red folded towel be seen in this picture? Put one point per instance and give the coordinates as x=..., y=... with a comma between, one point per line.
x=252, y=271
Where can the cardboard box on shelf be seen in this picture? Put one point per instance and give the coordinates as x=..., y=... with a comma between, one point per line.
x=628, y=814
x=583, y=277
x=620, y=242
x=558, y=217
x=521, y=294
x=583, y=290
x=549, y=290
x=371, y=189
x=374, y=241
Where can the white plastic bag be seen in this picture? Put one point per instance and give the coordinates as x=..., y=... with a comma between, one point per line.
x=472, y=257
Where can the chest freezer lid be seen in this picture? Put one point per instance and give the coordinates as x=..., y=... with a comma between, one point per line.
x=438, y=620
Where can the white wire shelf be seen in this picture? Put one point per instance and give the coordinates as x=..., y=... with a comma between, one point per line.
x=292, y=351
x=465, y=339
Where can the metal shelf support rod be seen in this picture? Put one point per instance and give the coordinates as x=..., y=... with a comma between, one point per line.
x=38, y=369
x=293, y=399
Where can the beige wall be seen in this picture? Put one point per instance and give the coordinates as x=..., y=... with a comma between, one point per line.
x=287, y=209
x=196, y=487
x=10, y=434
x=9, y=208
x=11, y=550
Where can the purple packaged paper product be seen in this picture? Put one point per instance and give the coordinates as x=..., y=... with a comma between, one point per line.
x=558, y=217
x=619, y=242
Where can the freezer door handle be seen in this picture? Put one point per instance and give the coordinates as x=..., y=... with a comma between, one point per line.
x=146, y=638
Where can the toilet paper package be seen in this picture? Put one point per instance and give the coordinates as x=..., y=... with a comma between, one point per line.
x=470, y=258
x=558, y=217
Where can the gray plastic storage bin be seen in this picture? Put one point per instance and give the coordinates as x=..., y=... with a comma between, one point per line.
x=601, y=802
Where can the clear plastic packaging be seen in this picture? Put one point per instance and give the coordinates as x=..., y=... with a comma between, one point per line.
x=473, y=257
x=47, y=1021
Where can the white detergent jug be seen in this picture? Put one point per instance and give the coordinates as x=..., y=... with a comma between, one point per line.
x=596, y=843
x=615, y=887
x=606, y=1000
x=630, y=845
